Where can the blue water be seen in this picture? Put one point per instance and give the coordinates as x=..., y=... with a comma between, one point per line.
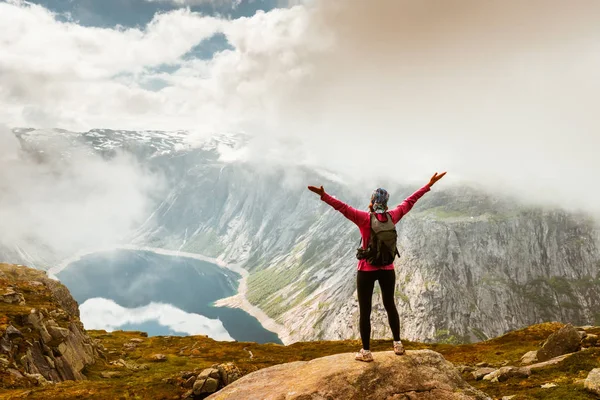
x=136, y=278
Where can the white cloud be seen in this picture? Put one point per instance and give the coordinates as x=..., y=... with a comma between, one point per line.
x=100, y=313
x=500, y=93
x=62, y=198
x=231, y=3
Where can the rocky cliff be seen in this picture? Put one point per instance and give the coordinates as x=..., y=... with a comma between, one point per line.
x=472, y=265
x=42, y=340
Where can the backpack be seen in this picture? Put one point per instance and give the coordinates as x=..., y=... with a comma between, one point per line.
x=381, y=249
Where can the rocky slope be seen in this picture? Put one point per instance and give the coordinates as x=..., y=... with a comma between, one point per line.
x=42, y=339
x=471, y=266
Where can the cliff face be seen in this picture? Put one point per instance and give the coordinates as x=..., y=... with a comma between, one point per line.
x=471, y=277
x=472, y=265
x=42, y=339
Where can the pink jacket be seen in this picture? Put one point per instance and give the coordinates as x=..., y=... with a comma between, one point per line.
x=363, y=219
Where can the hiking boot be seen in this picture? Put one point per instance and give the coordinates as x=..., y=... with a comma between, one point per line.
x=398, y=348
x=364, y=355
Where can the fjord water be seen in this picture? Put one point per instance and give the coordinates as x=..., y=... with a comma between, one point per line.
x=134, y=279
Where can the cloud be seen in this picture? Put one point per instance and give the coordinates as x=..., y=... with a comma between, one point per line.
x=100, y=313
x=60, y=198
x=503, y=94
x=221, y=3
x=60, y=74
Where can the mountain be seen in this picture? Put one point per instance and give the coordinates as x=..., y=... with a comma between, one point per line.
x=471, y=266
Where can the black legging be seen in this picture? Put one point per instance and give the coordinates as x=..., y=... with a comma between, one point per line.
x=365, y=283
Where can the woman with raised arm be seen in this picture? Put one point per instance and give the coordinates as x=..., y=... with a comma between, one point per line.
x=376, y=256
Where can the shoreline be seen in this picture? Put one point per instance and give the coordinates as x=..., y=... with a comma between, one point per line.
x=238, y=300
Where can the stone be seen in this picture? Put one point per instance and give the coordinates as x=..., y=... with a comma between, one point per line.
x=548, y=385
x=5, y=344
x=187, y=394
x=529, y=358
x=209, y=372
x=482, y=364
x=129, y=365
x=50, y=362
x=228, y=373
x=136, y=340
x=465, y=368
x=592, y=382
x=158, y=358
x=4, y=362
x=110, y=374
x=552, y=361
x=39, y=379
x=565, y=340
x=586, y=327
x=187, y=374
x=479, y=373
x=189, y=383
x=36, y=319
x=207, y=385
x=76, y=350
x=129, y=346
x=509, y=397
x=419, y=374
x=16, y=373
x=591, y=340
x=13, y=332
x=57, y=333
x=11, y=297
x=505, y=373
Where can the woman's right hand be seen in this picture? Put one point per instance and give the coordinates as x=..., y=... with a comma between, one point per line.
x=318, y=190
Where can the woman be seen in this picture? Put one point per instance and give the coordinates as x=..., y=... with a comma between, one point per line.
x=367, y=273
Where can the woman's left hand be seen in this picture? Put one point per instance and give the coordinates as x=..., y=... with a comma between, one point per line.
x=436, y=178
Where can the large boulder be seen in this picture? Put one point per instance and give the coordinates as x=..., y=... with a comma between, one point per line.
x=565, y=340
x=592, y=382
x=418, y=375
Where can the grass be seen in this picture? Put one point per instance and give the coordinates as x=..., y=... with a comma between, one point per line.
x=161, y=380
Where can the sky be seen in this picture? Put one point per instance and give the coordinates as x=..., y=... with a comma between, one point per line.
x=503, y=94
